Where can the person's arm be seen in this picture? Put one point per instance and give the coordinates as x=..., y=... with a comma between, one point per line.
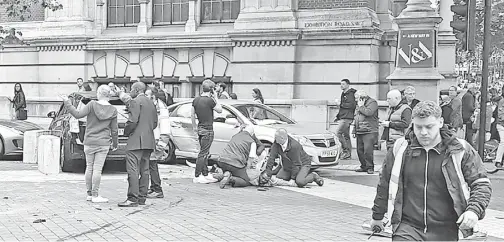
x=405, y=120
x=380, y=206
x=275, y=149
x=253, y=150
x=350, y=103
x=114, y=133
x=156, y=117
x=78, y=114
x=479, y=185
x=134, y=116
x=260, y=146
x=217, y=107
x=193, y=119
x=369, y=109
x=23, y=100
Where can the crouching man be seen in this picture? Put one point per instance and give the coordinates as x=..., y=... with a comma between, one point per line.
x=242, y=149
x=432, y=184
x=296, y=163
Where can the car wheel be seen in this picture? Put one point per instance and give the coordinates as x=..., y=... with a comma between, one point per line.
x=2, y=148
x=170, y=150
x=66, y=162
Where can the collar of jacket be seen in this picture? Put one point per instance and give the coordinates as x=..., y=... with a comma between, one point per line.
x=449, y=141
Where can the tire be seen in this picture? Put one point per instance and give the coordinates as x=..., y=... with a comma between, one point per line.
x=170, y=150
x=2, y=148
x=66, y=162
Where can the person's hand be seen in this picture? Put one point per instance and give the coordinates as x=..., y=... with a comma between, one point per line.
x=360, y=103
x=64, y=98
x=385, y=123
x=467, y=220
x=377, y=226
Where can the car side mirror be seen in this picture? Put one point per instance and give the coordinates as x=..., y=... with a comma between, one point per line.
x=232, y=121
x=51, y=114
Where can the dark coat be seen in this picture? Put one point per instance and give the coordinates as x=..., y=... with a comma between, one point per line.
x=19, y=101
x=366, y=117
x=141, y=123
x=468, y=106
x=293, y=158
x=347, y=105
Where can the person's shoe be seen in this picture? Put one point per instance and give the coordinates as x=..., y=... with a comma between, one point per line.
x=210, y=178
x=200, y=179
x=498, y=164
x=225, y=179
x=361, y=170
x=99, y=199
x=150, y=191
x=141, y=202
x=346, y=156
x=128, y=203
x=319, y=180
x=370, y=171
x=218, y=176
x=89, y=198
x=155, y=195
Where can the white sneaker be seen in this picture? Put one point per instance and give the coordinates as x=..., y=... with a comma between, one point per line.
x=210, y=178
x=200, y=179
x=99, y=199
x=89, y=198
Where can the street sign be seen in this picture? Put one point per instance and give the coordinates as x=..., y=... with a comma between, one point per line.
x=417, y=49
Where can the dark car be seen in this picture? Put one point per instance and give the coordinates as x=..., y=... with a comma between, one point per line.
x=72, y=131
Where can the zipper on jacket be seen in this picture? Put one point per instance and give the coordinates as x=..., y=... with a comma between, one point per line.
x=425, y=192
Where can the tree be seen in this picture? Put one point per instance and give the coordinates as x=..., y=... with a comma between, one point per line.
x=21, y=9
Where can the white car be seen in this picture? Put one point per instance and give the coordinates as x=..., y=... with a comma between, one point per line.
x=322, y=145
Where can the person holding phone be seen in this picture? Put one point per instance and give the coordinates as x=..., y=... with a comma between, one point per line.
x=203, y=108
x=101, y=136
x=366, y=130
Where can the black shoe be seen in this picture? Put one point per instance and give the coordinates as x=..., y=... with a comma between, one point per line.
x=141, y=201
x=319, y=180
x=128, y=203
x=361, y=170
x=346, y=156
x=370, y=171
x=155, y=195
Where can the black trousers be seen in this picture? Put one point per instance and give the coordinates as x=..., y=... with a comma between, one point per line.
x=154, y=176
x=406, y=232
x=205, y=138
x=469, y=133
x=365, y=150
x=240, y=176
x=137, y=165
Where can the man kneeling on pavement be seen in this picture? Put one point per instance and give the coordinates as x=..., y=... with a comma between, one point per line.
x=241, y=163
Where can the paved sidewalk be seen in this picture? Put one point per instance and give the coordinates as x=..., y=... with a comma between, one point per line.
x=190, y=212
x=354, y=164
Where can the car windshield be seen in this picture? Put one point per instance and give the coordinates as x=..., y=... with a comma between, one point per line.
x=262, y=115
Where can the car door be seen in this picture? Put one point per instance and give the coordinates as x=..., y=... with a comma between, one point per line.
x=182, y=131
x=223, y=132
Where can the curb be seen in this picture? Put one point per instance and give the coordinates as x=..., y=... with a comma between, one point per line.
x=377, y=168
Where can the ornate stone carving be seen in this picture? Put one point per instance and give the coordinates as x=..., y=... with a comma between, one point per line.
x=259, y=43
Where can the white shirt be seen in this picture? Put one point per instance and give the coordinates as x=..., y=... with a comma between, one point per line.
x=284, y=146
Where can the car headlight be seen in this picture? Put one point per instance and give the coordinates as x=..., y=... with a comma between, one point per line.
x=304, y=141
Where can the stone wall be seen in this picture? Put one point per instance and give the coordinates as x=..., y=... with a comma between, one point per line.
x=330, y=4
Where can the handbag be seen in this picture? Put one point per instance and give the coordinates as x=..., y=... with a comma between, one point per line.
x=22, y=114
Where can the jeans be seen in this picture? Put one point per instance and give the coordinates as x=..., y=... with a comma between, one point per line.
x=500, y=150
x=154, y=176
x=137, y=165
x=239, y=174
x=205, y=138
x=406, y=232
x=302, y=178
x=365, y=150
x=95, y=159
x=469, y=133
x=343, y=133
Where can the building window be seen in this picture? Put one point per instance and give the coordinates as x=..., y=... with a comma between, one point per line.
x=123, y=13
x=220, y=11
x=170, y=11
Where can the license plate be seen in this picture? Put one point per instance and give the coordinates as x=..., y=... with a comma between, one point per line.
x=329, y=153
x=121, y=131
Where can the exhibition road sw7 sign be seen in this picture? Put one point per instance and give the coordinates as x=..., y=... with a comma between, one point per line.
x=416, y=49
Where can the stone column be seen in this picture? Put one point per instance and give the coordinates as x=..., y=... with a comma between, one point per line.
x=100, y=25
x=416, y=50
x=382, y=10
x=145, y=24
x=266, y=14
x=192, y=22
x=447, y=45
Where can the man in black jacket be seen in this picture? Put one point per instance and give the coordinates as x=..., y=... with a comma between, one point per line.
x=296, y=163
x=468, y=107
x=345, y=117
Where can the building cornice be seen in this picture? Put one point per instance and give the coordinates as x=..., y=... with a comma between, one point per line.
x=369, y=33
x=257, y=38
